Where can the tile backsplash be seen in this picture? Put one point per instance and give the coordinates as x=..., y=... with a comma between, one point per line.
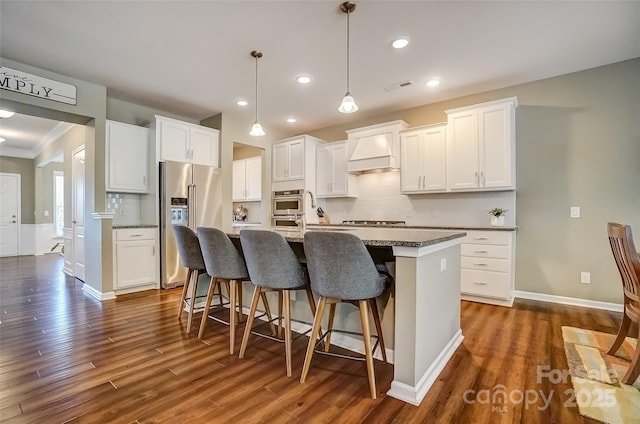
x=126, y=207
x=379, y=197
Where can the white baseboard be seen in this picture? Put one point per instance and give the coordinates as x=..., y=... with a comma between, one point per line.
x=151, y=286
x=97, y=294
x=573, y=301
x=415, y=394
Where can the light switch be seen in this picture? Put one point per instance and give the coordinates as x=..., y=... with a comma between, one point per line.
x=46, y=213
x=443, y=264
x=575, y=211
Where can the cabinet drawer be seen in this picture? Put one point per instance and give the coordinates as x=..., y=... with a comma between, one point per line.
x=488, y=237
x=485, y=264
x=485, y=283
x=485, y=251
x=130, y=234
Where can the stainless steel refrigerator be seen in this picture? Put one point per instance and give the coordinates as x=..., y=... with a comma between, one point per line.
x=189, y=195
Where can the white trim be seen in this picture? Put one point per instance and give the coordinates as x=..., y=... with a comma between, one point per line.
x=15, y=152
x=573, y=301
x=56, y=132
x=490, y=300
x=96, y=294
x=150, y=286
x=512, y=100
x=415, y=394
x=416, y=252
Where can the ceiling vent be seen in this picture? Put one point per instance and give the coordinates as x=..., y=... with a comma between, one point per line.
x=398, y=85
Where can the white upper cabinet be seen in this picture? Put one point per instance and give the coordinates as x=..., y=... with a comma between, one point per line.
x=127, y=158
x=423, y=159
x=288, y=160
x=247, y=179
x=481, y=146
x=332, y=178
x=185, y=142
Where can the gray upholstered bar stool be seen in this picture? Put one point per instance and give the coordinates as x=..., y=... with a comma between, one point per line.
x=190, y=258
x=223, y=263
x=273, y=267
x=341, y=270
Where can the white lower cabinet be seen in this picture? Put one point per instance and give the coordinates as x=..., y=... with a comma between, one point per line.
x=488, y=267
x=134, y=263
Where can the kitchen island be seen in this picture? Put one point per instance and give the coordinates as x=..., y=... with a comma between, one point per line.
x=427, y=300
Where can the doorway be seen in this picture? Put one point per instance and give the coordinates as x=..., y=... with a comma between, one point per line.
x=77, y=208
x=9, y=214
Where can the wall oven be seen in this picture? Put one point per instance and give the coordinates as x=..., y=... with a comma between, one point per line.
x=287, y=202
x=287, y=207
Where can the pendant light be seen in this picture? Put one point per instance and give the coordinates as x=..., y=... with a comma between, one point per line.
x=348, y=104
x=256, y=128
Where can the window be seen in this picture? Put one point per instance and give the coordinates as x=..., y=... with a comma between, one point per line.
x=58, y=201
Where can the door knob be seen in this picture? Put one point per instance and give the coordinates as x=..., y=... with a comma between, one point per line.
x=13, y=216
x=13, y=222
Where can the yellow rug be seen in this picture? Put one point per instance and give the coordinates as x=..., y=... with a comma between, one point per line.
x=595, y=376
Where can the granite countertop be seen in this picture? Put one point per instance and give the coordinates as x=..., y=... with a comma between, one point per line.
x=122, y=227
x=420, y=227
x=383, y=237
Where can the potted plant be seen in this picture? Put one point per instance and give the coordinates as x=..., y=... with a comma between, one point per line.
x=497, y=216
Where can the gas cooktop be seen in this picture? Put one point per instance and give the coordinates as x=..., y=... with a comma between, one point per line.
x=373, y=222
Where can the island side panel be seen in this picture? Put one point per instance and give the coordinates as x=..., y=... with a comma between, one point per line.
x=427, y=325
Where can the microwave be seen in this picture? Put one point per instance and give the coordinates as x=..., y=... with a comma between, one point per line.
x=287, y=202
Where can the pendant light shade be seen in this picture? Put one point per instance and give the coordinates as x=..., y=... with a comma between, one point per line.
x=348, y=104
x=256, y=128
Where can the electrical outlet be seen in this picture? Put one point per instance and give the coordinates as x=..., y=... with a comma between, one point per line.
x=585, y=277
x=46, y=213
x=443, y=264
x=575, y=212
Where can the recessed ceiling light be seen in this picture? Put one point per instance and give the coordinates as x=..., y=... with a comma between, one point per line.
x=291, y=120
x=303, y=79
x=400, y=43
x=433, y=83
x=6, y=114
x=242, y=103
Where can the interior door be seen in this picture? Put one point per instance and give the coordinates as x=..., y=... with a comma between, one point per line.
x=78, y=201
x=9, y=214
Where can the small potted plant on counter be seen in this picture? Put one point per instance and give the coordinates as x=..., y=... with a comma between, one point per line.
x=497, y=216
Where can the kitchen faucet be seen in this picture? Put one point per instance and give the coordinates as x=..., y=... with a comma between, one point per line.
x=302, y=221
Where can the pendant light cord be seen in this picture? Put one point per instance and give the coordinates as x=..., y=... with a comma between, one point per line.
x=348, y=43
x=256, y=87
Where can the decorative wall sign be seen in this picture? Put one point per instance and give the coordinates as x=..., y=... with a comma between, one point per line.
x=33, y=85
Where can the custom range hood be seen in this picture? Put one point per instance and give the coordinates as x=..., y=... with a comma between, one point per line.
x=375, y=147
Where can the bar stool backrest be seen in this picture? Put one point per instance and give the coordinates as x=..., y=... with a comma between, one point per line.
x=271, y=261
x=188, y=247
x=221, y=257
x=340, y=266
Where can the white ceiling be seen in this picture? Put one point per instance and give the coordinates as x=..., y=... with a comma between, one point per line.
x=27, y=136
x=192, y=57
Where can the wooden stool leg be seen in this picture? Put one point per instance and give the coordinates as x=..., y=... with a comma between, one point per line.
x=205, y=312
x=622, y=334
x=192, y=302
x=267, y=311
x=634, y=369
x=240, y=305
x=257, y=292
x=364, y=317
x=317, y=319
x=279, y=313
x=376, y=320
x=232, y=315
x=332, y=314
x=286, y=294
x=185, y=288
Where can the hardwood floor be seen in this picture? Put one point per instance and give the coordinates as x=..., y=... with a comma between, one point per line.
x=66, y=357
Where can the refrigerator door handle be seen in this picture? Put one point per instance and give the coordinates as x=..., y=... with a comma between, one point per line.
x=192, y=202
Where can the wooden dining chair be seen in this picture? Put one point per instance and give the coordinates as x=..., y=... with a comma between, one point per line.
x=628, y=261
